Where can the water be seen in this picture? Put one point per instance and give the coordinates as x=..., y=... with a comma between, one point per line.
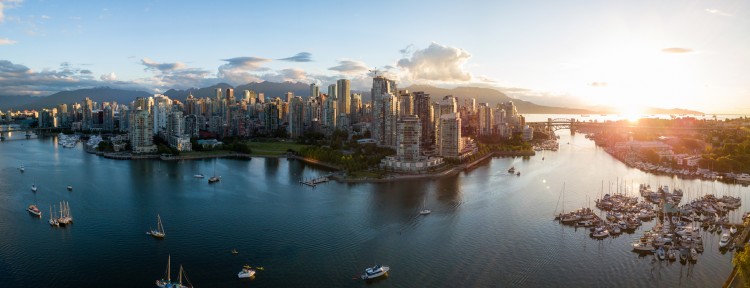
x=487, y=228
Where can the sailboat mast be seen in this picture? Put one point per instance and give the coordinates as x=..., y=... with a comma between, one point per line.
x=169, y=261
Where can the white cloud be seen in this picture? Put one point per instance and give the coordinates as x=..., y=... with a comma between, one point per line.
x=46, y=17
x=7, y=4
x=108, y=77
x=6, y=41
x=240, y=70
x=349, y=67
x=436, y=63
x=153, y=65
x=719, y=13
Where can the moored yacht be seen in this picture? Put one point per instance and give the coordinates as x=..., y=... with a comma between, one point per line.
x=375, y=272
x=724, y=241
x=33, y=188
x=198, y=176
x=34, y=210
x=70, y=188
x=246, y=272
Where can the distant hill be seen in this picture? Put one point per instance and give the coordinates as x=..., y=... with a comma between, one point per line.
x=492, y=96
x=270, y=90
x=99, y=94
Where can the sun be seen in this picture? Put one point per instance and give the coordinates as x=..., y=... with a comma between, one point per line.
x=631, y=112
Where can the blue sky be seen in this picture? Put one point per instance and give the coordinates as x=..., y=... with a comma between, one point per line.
x=689, y=54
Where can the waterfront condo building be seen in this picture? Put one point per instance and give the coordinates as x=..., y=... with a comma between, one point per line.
x=449, y=141
x=141, y=134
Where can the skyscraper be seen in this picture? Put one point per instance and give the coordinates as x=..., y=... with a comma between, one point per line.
x=141, y=131
x=314, y=90
x=296, y=117
x=449, y=143
x=408, y=138
x=344, y=96
x=423, y=110
x=333, y=92
x=381, y=87
x=486, y=119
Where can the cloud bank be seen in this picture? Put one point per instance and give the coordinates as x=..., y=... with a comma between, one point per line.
x=677, y=50
x=436, y=63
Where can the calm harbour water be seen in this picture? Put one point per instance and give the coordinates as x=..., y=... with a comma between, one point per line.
x=487, y=228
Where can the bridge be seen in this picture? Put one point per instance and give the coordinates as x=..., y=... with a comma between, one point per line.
x=573, y=125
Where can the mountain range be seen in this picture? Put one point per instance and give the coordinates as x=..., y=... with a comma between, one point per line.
x=274, y=89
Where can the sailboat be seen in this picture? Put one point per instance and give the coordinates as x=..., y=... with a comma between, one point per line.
x=159, y=232
x=65, y=217
x=52, y=220
x=214, y=178
x=424, y=211
x=162, y=283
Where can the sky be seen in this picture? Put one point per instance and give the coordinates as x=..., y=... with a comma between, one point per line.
x=627, y=54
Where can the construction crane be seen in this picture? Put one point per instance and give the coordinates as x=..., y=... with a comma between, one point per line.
x=375, y=71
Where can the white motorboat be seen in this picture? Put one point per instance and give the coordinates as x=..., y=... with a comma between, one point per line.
x=724, y=241
x=375, y=272
x=733, y=230
x=661, y=254
x=70, y=188
x=159, y=231
x=34, y=210
x=673, y=254
x=424, y=211
x=600, y=233
x=21, y=169
x=33, y=188
x=246, y=272
x=693, y=255
x=643, y=247
x=198, y=176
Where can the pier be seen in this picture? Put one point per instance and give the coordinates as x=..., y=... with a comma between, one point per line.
x=315, y=181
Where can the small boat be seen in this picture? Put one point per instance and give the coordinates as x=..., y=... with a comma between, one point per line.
x=259, y=268
x=34, y=210
x=246, y=272
x=33, y=188
x=52, y=221
x=70, y=188
x=21, y=169
x=673, y=254
x=693, y=255
x=724, y=241
x=198, y=176
x=600, y=233
x=684, y=255
x=167, y=283
x=424, y=211
x=213, y=179
x=234, y=251
x=661, y=254
x=375, y=272
x=518, y=173
x=512, y=170
x=159, y=232
x=733, y=230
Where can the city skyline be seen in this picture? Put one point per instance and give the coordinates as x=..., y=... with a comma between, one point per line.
x=628, y=55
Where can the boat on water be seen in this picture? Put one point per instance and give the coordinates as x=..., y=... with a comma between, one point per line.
x=159, y=231
x=512, y=170
x=644, y=247
x=33, y=188
x=673, y=254
x=214, y=178
x=724, y=241
x=167, y=283
x=70, y=188
x=733, y=230
x=600, y=233
x=234, y=251
x=424, y=211
x=375, y=272
x=65, y=216
x=52, y=221
x=199, y=176
x=693, y=255
x=21, y=169
x=247, y=272
x=661, y=254
x=34, y=210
